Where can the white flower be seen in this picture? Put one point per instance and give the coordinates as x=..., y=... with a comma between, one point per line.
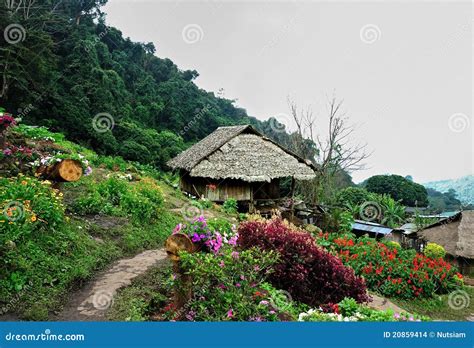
x=301, y=316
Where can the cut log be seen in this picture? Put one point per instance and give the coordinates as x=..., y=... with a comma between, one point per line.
x=179, y=242
x=66, y=170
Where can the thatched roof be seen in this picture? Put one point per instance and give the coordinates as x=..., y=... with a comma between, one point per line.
x=241, y=152
x=465, y=245
x=456, y=235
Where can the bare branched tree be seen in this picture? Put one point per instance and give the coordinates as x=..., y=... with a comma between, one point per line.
x=336, y=152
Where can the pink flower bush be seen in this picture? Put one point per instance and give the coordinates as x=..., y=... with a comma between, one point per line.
x=201, y=233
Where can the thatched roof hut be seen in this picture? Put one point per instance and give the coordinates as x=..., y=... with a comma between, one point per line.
x=465, y=244
x=238, y=161
x=456, y=235
x=444, y=233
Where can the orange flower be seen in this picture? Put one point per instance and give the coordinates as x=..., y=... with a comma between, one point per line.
x=24, y=182
x=33, y=218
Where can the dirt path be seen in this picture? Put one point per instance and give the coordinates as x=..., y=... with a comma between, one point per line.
x=383, y=304
x=92, y=301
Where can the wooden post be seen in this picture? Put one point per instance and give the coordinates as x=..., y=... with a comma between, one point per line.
x=292, y=195
x=251, y=203
x=174, y=244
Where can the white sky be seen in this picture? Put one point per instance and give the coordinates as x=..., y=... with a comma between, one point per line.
x=401, y=90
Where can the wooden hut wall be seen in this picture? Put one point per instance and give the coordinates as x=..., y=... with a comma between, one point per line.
x=216, y=191
x=266, y=190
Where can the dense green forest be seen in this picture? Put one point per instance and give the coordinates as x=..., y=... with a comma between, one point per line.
x=64, y=68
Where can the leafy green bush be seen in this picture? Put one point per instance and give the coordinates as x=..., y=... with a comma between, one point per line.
x=222, y=225
x=140, y=200
x=116, y=163
x=38, y=133
x=434, y=251
x=338, y=220
x=230, y=206
x=227, y=286
x=202, y=204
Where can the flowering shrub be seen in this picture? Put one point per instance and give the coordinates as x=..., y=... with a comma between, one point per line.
x=390, y=270
x=308, y=272
x=58, y=158
x=25, y=201
x=6, y=121
x=212, y=236
x=20, y=152
x=434, y=251
x=349, y=310
x=38, y=133
x=28, y=208
x=230, y=206
x=229, y=286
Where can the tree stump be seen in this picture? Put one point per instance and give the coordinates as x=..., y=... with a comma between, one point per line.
x=67, y=170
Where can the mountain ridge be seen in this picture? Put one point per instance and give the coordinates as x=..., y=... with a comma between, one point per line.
x=464, y=187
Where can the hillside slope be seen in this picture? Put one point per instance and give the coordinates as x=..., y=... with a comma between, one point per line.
x=56, y=236
x=463, y=186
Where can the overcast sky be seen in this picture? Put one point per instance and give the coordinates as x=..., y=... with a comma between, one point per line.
x=404, y=69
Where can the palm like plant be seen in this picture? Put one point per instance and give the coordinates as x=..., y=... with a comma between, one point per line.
x=393, y=212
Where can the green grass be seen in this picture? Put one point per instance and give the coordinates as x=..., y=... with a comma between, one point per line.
x=56, y=273
x=439, y=308
x=146, y=295
x=69, y=271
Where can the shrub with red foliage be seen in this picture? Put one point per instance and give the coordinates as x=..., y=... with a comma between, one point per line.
x=6, y=120
x=309, y=273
